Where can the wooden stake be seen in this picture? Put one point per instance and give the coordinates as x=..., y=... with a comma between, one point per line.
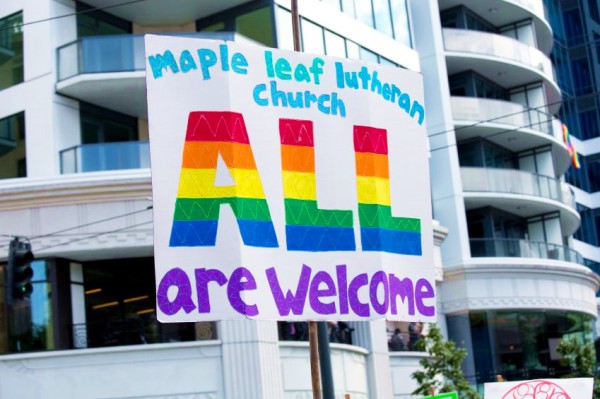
x=313, y=344
x=313, y=340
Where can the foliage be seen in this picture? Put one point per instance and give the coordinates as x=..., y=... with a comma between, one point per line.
x=581, y=359
x=441, y=371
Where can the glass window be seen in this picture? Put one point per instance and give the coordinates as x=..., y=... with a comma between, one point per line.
x=285, y=35
x=100, y=125
x=11, y=50
x=383, y=21
x=31, y=321
x=253, y=20
x=334, y=3
x=312, y=37
x=92, y=22
x=348, y=8
x=517, y=345
x=401, y=24
x=334, y=45
x=12, y=146
x=120, y=306
x=256, y=25
x=353, y=50
x=364, y=12
x=367, y=55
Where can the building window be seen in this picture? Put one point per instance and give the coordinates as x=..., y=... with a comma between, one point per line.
x=100, y=125
x=12, y=146
x=120, y=307
x=471, y=84
x=463, y=18
x=253, y=20
x=92, y=22
x=11, y=50
x=517, y=345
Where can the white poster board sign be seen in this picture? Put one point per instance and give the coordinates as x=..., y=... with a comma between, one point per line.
x=567, y=388
x=286, y=185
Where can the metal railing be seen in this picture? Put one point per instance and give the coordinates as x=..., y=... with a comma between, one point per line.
x=513, y=181
x=491, y=44
x=521, y=248
x=105, y=156
x=117, y=53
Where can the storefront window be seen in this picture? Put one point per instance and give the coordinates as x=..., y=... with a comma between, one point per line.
x=120, y=307
x=11, y=50
x=517, y=345
x=31, y=321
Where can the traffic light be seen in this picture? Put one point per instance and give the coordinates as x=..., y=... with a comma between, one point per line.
x=19, y=268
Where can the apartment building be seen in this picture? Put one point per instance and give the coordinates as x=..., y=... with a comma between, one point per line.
x=74, y=163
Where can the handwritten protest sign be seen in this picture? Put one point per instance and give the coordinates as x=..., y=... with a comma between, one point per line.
x=287, y=186
x=568, y=388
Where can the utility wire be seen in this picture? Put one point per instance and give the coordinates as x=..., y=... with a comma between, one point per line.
x=497, y=133
x=70, y=15
x=92, y=236
x=77, y=227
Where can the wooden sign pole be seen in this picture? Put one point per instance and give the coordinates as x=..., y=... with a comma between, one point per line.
x=313, y=343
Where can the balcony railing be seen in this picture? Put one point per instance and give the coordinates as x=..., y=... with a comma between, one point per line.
x=512, y=181
x=520, y=248
x=115, y=53
x=504, y=112
x=491, y=44
x=105, y=156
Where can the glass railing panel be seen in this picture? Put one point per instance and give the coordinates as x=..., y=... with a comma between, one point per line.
x=117, y=53
x=68, y=61
x=105, y=156
x=492, y=44
x=513, y=182
x=521, y=248
x=504, y=112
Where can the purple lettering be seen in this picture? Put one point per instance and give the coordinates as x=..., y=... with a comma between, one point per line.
x=241, y=279
x=361, y=309
x=424, y=290
x=315, y=293
x=175, y=277
x=203, y=277
x=342, y=281
x=379, y=278
x=404, y=288
x=294, y=302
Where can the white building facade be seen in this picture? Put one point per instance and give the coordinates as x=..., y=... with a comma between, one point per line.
x=76, y=182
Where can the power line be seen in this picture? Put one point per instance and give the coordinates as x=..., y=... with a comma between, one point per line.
x=496, y=134
x=70, y=15
x=79, y=226
x=91, y=223
x=92, y=236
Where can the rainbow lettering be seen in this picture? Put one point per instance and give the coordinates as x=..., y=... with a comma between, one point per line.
x=379, y=230
x=308, y=228
x=196, y=216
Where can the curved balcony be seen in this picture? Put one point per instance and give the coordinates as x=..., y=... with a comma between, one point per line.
x=501, y=59
x=506, y=12
x=105, y=156
x=510, y=125
x=521, y=193
x=109, y=71
x=520, y=248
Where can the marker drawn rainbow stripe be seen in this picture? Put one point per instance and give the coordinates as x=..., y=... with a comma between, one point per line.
x=308, y=228
x=198, y=203
x=380, y=231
